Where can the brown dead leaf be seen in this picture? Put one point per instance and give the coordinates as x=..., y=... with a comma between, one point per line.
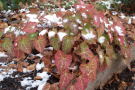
x=122, y=85
x=31, y=67
x=37, y=78
x=47, y=70
x=116, y=78
x=3, y=25
x=11, y=65
x=54, y=86
x=46, y=86
x=133, y=21
x=19, y=67
x=46, y=61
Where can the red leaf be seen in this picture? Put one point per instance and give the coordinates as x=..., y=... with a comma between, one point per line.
x=30, y=27
x=119, y=29
x=65, y=79
x=126, y=51
x=18, y=52
x=82, y=82
x=110, y=51
x=39, y=43
x=110, y=34
x=90, y=69
x=103, y=66
x=96, y=19
x=71, y=87
x=23, y=43
x=62, y=61
x=86, y=53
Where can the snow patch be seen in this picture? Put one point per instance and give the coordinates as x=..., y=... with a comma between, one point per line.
x=51, y=33
x=89, y=35
x=101, y=39
x=118, y=29
x=32, y=17
x=61, y=35
x=40, y=66
x=27, y=81
x=2, y=54
x=84, y=15
x=43, y=32
x=53, y=18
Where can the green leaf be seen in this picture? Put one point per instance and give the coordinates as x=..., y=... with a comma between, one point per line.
x=39, y=43
x=67, y=44
x=1, y=33
x=24, y=44
x=31, y=36
x=7, y=45
x=55, y=43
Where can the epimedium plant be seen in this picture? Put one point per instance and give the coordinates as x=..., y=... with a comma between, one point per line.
x=89, y=44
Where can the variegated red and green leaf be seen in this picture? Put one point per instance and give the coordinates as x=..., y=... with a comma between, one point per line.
x=30, y=27
x=125, y=49
x=7, y=45
x=108, y=61
x=62, y=61
x=65, y=78
x=67, y=44
x=71, y=87
x=110, y=51
x=119, y=28
x=89, y=35
x=110, y=34
x=90, y=68
x=24, y=44
x=55, y=42
x=82, y=82
x=100, y=30
x=86, y=53
x=103, y=66
x=39, y=43
x=18, y=53
x=100, y=54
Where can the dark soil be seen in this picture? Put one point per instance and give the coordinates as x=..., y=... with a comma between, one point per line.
x=122, y=81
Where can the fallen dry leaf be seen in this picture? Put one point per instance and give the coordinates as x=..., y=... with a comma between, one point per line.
x=54, y=86
x=133, y=21
x=46, y=86
x=19, y=67
x=37, y=78
x=46, y=61
x=31, y=67
x=3, y=25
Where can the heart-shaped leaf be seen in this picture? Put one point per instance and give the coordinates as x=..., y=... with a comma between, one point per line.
x=7, y=45
x=86, y=53
x=67, y=44
x=125, y=49
x=55, y=42
x=23, y=43
x=82, y=82
x=18, y=52
x=71, y=87
x=32, y=35
x=108, y=61
x=119, y=29
x=90, y=68
x=62, y=61
x=65, y=78
x=30, y=27
x=110, y=51
x=39, y=43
